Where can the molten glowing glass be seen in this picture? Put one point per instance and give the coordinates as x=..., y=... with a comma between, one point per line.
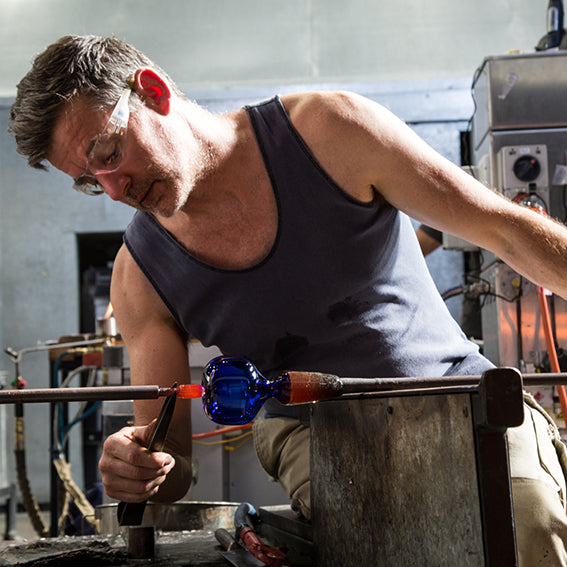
x=189, y=391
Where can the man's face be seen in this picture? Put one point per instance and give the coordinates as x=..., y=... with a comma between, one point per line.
x=154, y=174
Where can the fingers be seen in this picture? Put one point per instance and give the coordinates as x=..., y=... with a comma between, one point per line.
x=129, y=471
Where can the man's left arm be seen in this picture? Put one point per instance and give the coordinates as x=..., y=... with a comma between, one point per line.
x=379, y=153
x=433, y=190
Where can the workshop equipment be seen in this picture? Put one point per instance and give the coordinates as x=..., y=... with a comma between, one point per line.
x=552, y=39
x=246, y=549
x=246, y=532
x=130, y=513
x=234, y=553
x=405, y=479
x=518, y=141
x=92, y=393
x=442, y=440
x=235, y=390
x=184, y=535
x=97, y=393
x=174, y=516
x=78, y=356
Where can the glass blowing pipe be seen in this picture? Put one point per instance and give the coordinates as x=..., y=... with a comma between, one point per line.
x=94, y=393
x=234, y=389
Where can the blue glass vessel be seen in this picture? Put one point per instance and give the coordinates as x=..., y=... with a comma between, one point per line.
x=234, y=390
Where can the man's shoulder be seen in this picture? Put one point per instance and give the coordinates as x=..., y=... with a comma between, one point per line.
x=132, y=295
x=326, y=113
x=126, y=273
x=310, y=103
x=124, y=265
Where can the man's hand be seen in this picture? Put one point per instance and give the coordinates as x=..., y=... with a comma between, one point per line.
x=129, y=471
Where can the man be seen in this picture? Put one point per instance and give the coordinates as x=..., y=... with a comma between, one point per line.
x=275, y=232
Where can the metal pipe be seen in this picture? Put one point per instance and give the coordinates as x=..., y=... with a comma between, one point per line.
x=345, y=386
x=18, y=355
x=358, y=385
x=85, y=394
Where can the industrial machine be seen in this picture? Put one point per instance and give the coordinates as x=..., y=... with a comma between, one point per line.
x=519, y=148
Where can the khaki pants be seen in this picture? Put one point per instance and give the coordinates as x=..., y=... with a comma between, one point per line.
x=537, y=463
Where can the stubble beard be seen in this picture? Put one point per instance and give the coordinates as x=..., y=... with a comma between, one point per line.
x=180, y=185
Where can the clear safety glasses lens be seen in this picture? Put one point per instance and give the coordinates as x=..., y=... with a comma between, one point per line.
x=108, y=150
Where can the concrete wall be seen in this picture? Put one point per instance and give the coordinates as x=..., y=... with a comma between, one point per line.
x=417, y=58
x=218, y=43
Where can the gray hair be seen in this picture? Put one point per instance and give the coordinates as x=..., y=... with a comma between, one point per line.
x=96, y=68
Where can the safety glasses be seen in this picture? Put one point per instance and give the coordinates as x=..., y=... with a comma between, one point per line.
x=107, y=152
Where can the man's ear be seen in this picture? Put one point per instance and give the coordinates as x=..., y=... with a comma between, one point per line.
x=152, y=88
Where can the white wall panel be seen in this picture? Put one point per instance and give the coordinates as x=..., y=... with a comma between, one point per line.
x=216, y=43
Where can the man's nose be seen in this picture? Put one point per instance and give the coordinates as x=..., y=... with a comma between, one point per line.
x=114, y=184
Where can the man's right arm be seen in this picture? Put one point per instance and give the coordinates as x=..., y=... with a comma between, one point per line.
x=158, y=355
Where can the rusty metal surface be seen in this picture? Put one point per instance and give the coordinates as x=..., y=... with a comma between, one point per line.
x=394, y=480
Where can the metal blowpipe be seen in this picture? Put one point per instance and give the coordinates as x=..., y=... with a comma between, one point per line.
x=85, y=394
x=234, y=390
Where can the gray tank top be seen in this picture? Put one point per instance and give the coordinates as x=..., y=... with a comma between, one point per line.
x=344, y=289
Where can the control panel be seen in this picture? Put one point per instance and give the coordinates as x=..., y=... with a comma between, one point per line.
x=522, y=167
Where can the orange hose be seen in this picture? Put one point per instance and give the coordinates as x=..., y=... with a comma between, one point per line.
x=223, y=430
x=551, y=351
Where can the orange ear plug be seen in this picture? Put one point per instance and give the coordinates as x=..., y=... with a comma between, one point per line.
x=189, y=391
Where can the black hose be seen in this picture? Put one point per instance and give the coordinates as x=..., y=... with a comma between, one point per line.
x=29, y=501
